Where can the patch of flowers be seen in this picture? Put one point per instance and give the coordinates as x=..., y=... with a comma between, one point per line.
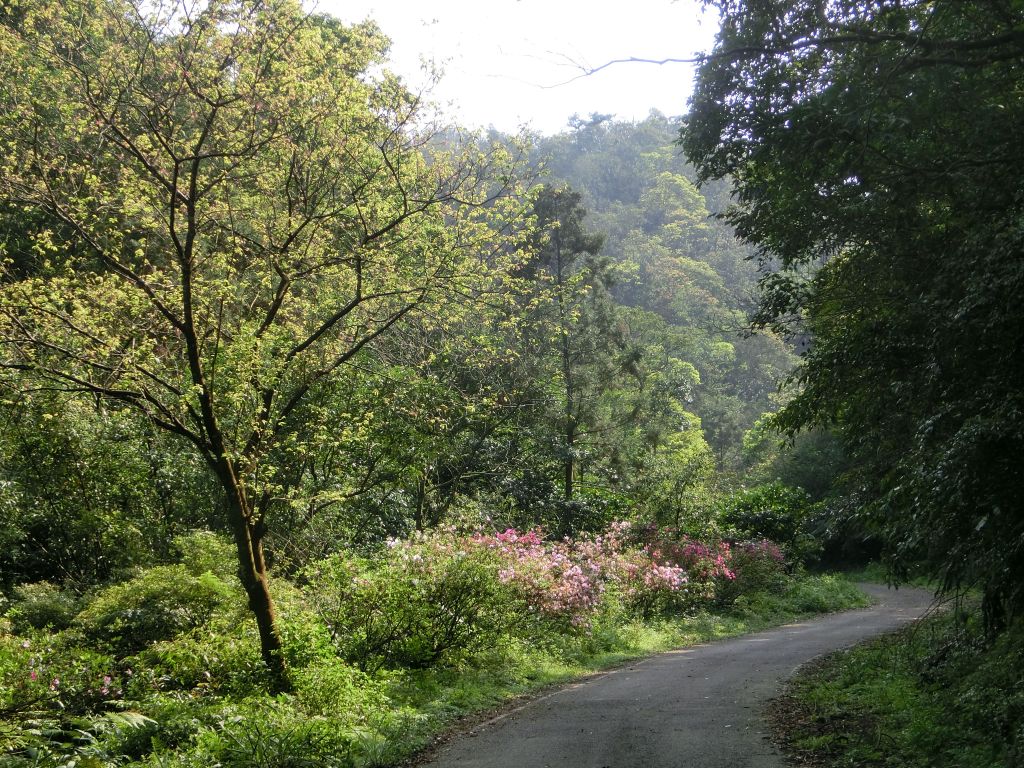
x=442, y=594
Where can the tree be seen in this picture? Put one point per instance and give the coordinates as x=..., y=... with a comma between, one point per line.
x=674, y=258
x=875, y=152
x=244, y=208
x=567, y=269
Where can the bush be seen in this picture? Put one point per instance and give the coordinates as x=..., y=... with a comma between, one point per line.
x=42, y=606
x=53, y=673
x=205, y=551
x=757, y=566
x=333, y=688
x=223, y=660
x=777, y=512
x=557, y=585
x=706, y=564
x=417, y=605
x=159, y=604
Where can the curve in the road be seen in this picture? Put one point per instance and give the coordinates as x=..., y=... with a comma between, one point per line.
x=695, y=707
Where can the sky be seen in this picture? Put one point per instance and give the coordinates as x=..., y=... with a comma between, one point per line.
x=509, y=63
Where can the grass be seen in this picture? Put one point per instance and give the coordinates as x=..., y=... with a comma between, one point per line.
x=934, y=695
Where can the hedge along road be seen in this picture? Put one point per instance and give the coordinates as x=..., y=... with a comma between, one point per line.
x=696, y=707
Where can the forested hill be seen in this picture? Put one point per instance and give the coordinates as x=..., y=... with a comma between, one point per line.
x=676, y=260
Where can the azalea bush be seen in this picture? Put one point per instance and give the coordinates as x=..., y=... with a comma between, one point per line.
x=444, y=595
x=551, y=579
x=757, y=566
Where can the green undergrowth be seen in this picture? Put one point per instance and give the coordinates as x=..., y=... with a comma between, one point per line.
x=185, y=693
x=934, y=695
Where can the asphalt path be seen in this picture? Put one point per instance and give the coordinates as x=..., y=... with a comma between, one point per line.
x=698, y=707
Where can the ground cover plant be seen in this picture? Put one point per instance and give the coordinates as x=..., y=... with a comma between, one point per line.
x=936, y=694
x=385, y=649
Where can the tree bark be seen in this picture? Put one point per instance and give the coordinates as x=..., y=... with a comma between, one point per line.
x=252, y=572
x=570, y=462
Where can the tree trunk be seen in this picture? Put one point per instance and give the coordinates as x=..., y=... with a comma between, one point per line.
x=252, y=571
x=570, y=462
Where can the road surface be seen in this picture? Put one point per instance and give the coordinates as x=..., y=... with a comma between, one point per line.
x=697, y=707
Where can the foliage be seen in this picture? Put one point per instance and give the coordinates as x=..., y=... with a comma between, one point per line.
x=91, y=492
x=902, y=270
x=418, y=605
x=675, y=262
x=436, y=599
x=774, y=511
x=159, y=604
x=465, y=637
x=273, y=735
x=932, y=695
x=42, y=605
x=756, y=566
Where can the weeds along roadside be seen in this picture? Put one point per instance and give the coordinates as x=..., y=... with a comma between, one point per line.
x=934, y=695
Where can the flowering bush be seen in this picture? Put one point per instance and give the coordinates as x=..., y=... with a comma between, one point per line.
x=758, y=566
x=425, y=601
x=43, y=669
x=551, y=579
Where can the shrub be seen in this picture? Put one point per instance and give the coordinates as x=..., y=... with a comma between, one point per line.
x=52, y=673
x=555, y=582
x=271, y=733
x=777, y=512
x=159, y=604
x=205, y=551
x=649, y=588
x=42, y=606
x=333, y=688
x=418, y=604
x=223, y=660
x=261, y=740
x=706, y=564
x=757, y=566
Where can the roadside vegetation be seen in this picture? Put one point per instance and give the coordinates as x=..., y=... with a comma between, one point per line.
x=935, y=695
x=385, y=650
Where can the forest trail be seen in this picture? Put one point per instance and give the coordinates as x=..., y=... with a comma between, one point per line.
x=698, y=707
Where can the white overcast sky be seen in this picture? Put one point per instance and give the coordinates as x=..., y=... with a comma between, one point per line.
x=498, y=55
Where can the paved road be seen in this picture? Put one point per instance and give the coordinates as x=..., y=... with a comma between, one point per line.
x=691, y=708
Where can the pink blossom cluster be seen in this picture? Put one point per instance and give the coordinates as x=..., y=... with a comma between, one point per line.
x=565, y=580
x=765, y=549
x=700, y=560
x=554, y=578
